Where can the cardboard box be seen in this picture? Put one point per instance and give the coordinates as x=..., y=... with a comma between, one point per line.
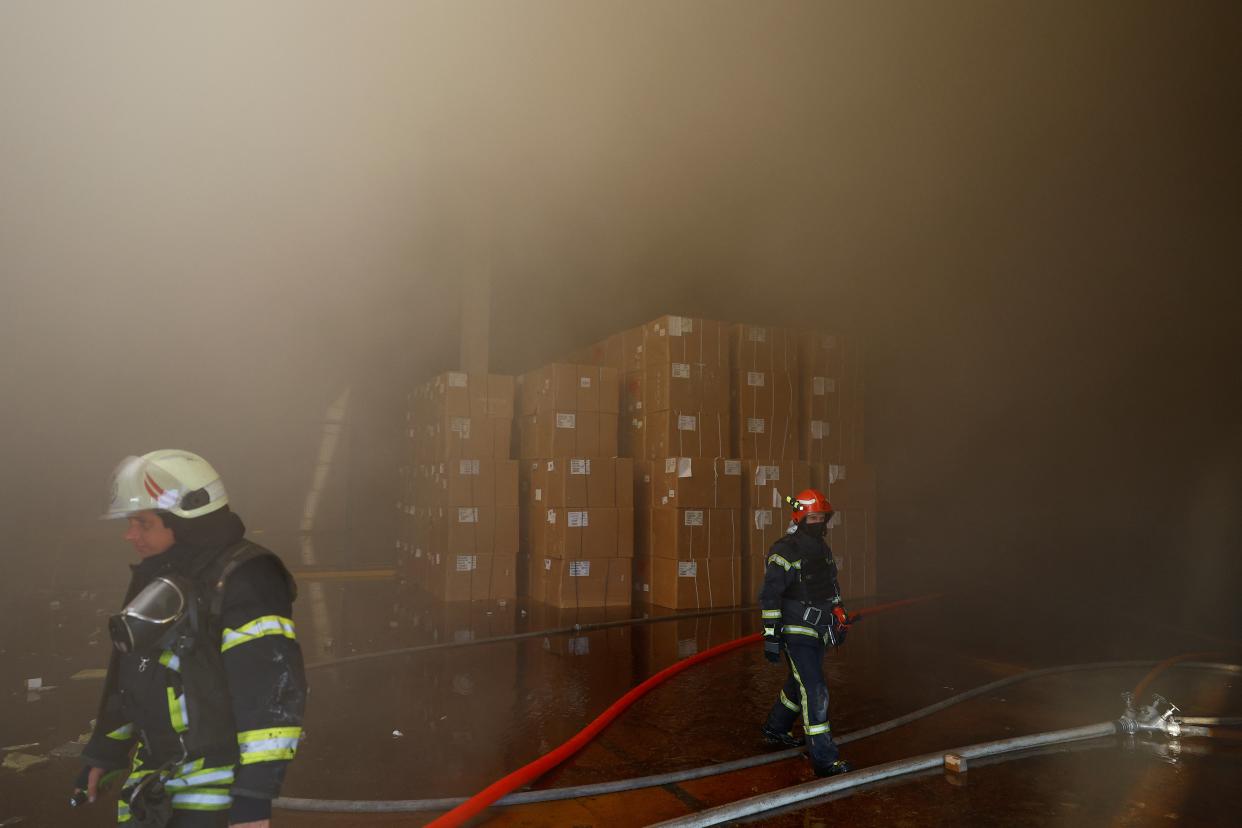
x=696, y=584
x=846, y=485
x=458, y=394
x=472, y=577
x=451, y=437
x=472, y=482
x=687, y=534
x=570, y=388
x=767, y=394
x=763, y=348
x=852, y=536
x=696, y=483
x=597, y=582
x=677, y=433
x=686, y=386
x=767, y=439
x=568, y=434
x=585, y=533
x=475, y=530
x=582, y=482
x=685, y=339
x=633, y=393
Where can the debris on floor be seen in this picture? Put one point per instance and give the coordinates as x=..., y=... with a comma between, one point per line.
x=22, y=761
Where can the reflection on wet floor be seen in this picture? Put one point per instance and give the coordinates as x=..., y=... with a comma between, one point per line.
x=448, y=720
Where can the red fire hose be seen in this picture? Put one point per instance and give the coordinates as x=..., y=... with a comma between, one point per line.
x=525, y=775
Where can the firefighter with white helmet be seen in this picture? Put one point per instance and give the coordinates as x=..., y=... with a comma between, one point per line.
x=205, y=692
x=800, y=603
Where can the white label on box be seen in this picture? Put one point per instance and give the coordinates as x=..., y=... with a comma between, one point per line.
x=551, y=465
x=685, y=467
x=457, y=379
x=646, y=587
x=462, y=636
x=584, y=382
x=757, y=334
x=579, y=569
x=774, y=472
x=674, y=326
x=469, y=514
x=755, y=379
x=670, y=465
x=761, y=475
x=461, y=425
x=547, y=564
x=580, y=466
x=777, y=500
x=552, y=516
x=638, y=405
x=763, y=518
x=755, y=425
x=817, y=386
x=538, y=495
x=566, y=420
x=467, y=563
x=418, y=552
x=681, y=370
x=819, y=429
x=437, y=559
x=578, y=520
x=733, y=468
x=687, y=324
x=687, y=647
x=664, y=500
x=836, y=473
x=466, y=467
x=687, y=569
x=694, y=517
x=687, y=422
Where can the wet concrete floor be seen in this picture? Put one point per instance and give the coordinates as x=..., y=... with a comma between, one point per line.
x=447, y=722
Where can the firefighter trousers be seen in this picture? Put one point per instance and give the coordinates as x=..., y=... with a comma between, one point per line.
x=806, y=693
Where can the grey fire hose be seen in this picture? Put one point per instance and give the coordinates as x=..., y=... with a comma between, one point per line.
x=928, y=761
x=575, y=792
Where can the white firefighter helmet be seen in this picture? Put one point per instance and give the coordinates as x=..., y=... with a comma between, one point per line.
x=170, y=480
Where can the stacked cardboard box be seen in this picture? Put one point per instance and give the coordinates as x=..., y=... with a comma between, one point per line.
x=569, y=411
x=831, y=385
x=577, y=495
x=459, y=499
x=851, y=488
x=766, y=513
x=765, y=393
x=581, y=530
x=690, y=533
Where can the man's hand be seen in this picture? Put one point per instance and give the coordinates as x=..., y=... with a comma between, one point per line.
x=771, y=645
x=262, y=823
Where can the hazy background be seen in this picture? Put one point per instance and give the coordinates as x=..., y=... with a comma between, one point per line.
x=215, y=218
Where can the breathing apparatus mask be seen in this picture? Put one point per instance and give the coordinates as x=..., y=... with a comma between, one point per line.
x=152, y=620
x=816, y=530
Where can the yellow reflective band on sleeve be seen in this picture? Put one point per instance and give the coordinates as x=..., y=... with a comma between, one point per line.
x=815, y=730
x=771, y=613
x=177, y=712
x=785, y=701
x=797, y=630
x=256, y=629
x=272, y=744
x=202, y=799
x=779, y=561
x=171, y=660
x=202, y=776
x=122, y=733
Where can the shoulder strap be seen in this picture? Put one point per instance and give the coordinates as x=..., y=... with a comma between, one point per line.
x=234, y=557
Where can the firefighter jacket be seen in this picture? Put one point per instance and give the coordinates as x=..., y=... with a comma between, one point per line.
x=228, y=710
x=800, y=588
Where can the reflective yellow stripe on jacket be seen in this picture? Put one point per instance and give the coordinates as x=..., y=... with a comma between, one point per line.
x=256, y=629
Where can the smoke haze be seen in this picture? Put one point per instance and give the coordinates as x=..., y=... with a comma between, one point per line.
x=216, y=218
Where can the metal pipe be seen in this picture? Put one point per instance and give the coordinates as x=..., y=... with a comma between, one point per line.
x=810, y=790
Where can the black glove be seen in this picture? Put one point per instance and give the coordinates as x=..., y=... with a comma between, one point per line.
x=771, y=645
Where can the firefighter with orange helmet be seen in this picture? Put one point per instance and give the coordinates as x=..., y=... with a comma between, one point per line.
x=802, y=613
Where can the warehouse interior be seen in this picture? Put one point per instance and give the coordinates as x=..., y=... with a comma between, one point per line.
x=308, y=239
